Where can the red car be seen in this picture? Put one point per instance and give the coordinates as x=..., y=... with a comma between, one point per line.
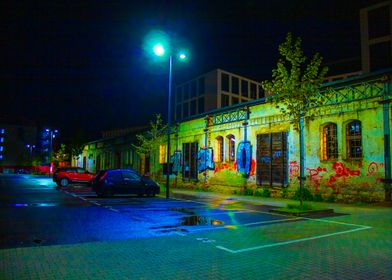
x=68, y=175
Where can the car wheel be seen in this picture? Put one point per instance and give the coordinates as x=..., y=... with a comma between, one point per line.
x=64, y=182
x=151, y=192
x=108, y=192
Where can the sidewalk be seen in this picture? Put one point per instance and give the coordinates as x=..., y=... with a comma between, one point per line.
x=365, y=254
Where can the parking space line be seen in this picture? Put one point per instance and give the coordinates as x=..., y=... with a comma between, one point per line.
x=291, y=241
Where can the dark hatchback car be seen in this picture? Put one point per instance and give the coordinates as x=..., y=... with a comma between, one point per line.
x=123, y=181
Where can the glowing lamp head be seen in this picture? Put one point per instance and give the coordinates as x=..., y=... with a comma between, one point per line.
x=182, y=56
x=159, y=50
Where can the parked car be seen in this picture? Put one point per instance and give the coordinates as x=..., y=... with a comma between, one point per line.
x=123, y=181
x=67, y=175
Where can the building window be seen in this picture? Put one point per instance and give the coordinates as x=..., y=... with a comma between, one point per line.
x=1, y=139
x=234, y=100
x=225, y=100
x=162, y=154
x=200, y=105
x=261, y=92
x=186, y=92
x=253, y=91
x=231, y=147
x=178, y=112
x=225, y=82
x=179, y=94
x=330, y=142
x=244, y=88
x=1, y=148
x=201, y=87
x=193, y=107
x=193, y=88
x=235, y=87
x=219, y=149
x=2, y=130
x=1, y=157
x=354, y=140
x=185, y=110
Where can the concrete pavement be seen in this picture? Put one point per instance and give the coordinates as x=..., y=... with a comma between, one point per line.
x=353, y=246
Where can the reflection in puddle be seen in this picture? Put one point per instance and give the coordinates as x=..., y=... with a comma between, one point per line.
x=183, y=210
x=200, y=221
x=33, y=204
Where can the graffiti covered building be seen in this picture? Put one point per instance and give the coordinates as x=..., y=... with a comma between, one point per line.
x=252, y=146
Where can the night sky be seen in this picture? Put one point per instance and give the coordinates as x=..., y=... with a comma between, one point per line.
x=80, y=65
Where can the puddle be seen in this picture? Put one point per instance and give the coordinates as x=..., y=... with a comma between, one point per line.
x=183, y=210
x=200, y=221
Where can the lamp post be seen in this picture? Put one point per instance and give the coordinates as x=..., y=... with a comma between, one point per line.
x=159, y=50
x=30, y=147
x=52, y=135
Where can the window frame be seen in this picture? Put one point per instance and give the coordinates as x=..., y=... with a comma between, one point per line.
x=351, y=138
x=330, y=142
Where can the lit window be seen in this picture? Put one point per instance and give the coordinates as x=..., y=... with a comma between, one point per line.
x=1, y=148
x=1, y=156
x=162, y=154
x=1, y=139
x=219, y=149
x=330, y=142
x=2, y=130
x=354, y=139
x=231, y=147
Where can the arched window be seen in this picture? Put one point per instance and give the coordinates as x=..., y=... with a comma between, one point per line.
x=219, y=149
x=354, y=139
x=231, y=147
x=330, y=142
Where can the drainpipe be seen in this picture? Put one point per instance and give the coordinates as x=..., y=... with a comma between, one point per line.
x=387, y=147
x=301, y=157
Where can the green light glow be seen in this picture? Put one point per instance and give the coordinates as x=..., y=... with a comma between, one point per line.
x=159, y=50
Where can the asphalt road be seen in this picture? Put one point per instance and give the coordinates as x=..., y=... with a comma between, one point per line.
x=34, y=212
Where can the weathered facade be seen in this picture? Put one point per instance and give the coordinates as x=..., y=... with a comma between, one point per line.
x=110, y=153
x=347, y=146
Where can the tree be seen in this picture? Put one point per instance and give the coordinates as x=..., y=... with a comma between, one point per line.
x=76, y=145
x=295, y=86
x=148, y=142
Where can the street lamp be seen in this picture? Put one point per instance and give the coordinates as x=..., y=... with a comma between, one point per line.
x=52, y=135
x=30, y=147
x=159, y=50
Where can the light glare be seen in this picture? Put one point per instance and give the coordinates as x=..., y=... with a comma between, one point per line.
x=159, y=50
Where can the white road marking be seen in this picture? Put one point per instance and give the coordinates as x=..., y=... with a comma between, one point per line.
x=291, y=241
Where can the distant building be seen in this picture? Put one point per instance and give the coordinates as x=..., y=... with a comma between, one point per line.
x=17, y=146
x=213, y=90
x=376, y=36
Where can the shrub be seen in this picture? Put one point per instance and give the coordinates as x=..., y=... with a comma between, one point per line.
x=304, y=206
x=318, y=197
x=248, y=191
x=306, y=194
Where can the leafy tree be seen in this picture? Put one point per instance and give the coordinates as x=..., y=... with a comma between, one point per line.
x=76, y=144
x=295, y=86
x=62, y=154
x=148, y=142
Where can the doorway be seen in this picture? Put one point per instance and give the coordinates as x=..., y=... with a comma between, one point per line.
x=272, y=159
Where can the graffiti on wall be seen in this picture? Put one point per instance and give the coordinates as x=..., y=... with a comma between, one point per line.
x=233, y=167
x=341, y=171
x=314, y=175
x=373, y=168
x=293, y=169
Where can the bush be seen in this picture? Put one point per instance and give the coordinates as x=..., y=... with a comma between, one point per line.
x=304, y=206
x=285, y=192
x=306, y=194
x=265, y=192
x=330, y=198
x=318, y=197
x=248, y=191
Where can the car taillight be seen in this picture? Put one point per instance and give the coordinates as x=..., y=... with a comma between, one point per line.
x=103, y=177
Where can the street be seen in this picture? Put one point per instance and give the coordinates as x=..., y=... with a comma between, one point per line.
x=70, y=233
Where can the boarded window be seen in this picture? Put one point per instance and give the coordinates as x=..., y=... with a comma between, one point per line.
x=330, y=142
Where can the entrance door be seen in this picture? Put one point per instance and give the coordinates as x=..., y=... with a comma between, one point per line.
x=272, y=159
x=189, y=170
